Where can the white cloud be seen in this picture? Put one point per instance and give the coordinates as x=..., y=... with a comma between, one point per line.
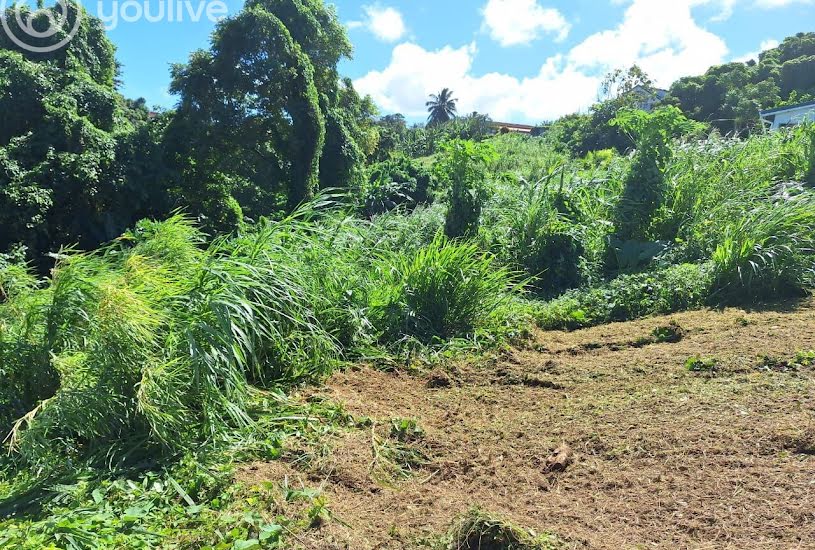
x=769, y=4
x=515, y=22
x=764, y=46
x=386, y=23
x=414, y=73
x=662, y=37
x=769, y=44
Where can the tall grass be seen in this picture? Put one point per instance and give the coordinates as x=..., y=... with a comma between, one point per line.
x=156, y=342
x=153, y=341
x=444, y=290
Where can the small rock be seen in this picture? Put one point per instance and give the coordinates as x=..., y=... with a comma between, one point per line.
x=560, y=459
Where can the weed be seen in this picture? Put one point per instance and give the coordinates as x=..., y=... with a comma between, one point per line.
x=702, y=364
x=399, y=454
x=478, y=530
x=406, y=430
x=445, y=290
x=802, y=359
x=670, y=333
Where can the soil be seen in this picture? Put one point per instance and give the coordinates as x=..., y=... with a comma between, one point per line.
x=601, y=437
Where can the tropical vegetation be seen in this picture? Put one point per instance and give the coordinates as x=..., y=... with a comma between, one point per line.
x=167, y=278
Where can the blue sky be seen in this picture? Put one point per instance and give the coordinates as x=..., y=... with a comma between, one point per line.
x=517, y=60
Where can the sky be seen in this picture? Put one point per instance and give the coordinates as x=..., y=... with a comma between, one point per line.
x=524, y=61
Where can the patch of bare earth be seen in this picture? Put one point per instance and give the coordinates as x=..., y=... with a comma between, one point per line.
x=660, y=457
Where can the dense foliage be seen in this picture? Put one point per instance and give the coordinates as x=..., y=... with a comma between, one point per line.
x=730, y=96
x=314, y=234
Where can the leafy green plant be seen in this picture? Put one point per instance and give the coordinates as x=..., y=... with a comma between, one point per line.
x=644, y=186
x=675, y=288
x=406, y=430
x=701, y=364
x=670, y=333
x=393, y=183
x=533, y=231
x=462, y=169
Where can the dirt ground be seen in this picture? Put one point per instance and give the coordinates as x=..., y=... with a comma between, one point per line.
x=655, y=455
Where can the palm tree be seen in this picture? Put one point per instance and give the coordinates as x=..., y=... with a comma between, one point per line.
x=442, y=107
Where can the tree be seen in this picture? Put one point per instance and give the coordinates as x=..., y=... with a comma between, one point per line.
x=620, y=82
x=644, y=186
x=442, y=107
x=263, y=115
x=63, y=138
x=462, y=168
x=729, y=96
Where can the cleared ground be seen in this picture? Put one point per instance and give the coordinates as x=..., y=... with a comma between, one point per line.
x=652, y=455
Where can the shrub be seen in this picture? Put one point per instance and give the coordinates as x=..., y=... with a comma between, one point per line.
x=444, y=290
x=395, y=182
x=644, y=186
x=532, y=232
x=462, y=169
x=627, y=297
x=396, y=231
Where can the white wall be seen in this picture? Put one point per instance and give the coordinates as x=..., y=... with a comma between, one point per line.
x=793, y=117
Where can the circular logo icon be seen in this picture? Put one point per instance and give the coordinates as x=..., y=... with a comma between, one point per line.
x=38, y=25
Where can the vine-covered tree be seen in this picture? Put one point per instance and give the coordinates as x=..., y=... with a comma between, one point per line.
x=62, y=138
x=264, y=112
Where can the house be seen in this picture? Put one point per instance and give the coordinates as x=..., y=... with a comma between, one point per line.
x=648, y=98
x=785, y=117
x=508, y=127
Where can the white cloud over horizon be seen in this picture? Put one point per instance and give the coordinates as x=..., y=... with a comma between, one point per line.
x=664, y=38
x=674, y=47
x=520, y=22
x=414, y=73
x=765, y=45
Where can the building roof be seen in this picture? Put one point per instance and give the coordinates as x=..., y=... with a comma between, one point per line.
x=787, y=108
x=640, y=89
x=513, y=126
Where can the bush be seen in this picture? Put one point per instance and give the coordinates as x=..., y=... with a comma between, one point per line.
x=532, y=231
x=395, y=182
x=628, y=297
x=644, y=187
x=462, y=169
x=445, y=290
